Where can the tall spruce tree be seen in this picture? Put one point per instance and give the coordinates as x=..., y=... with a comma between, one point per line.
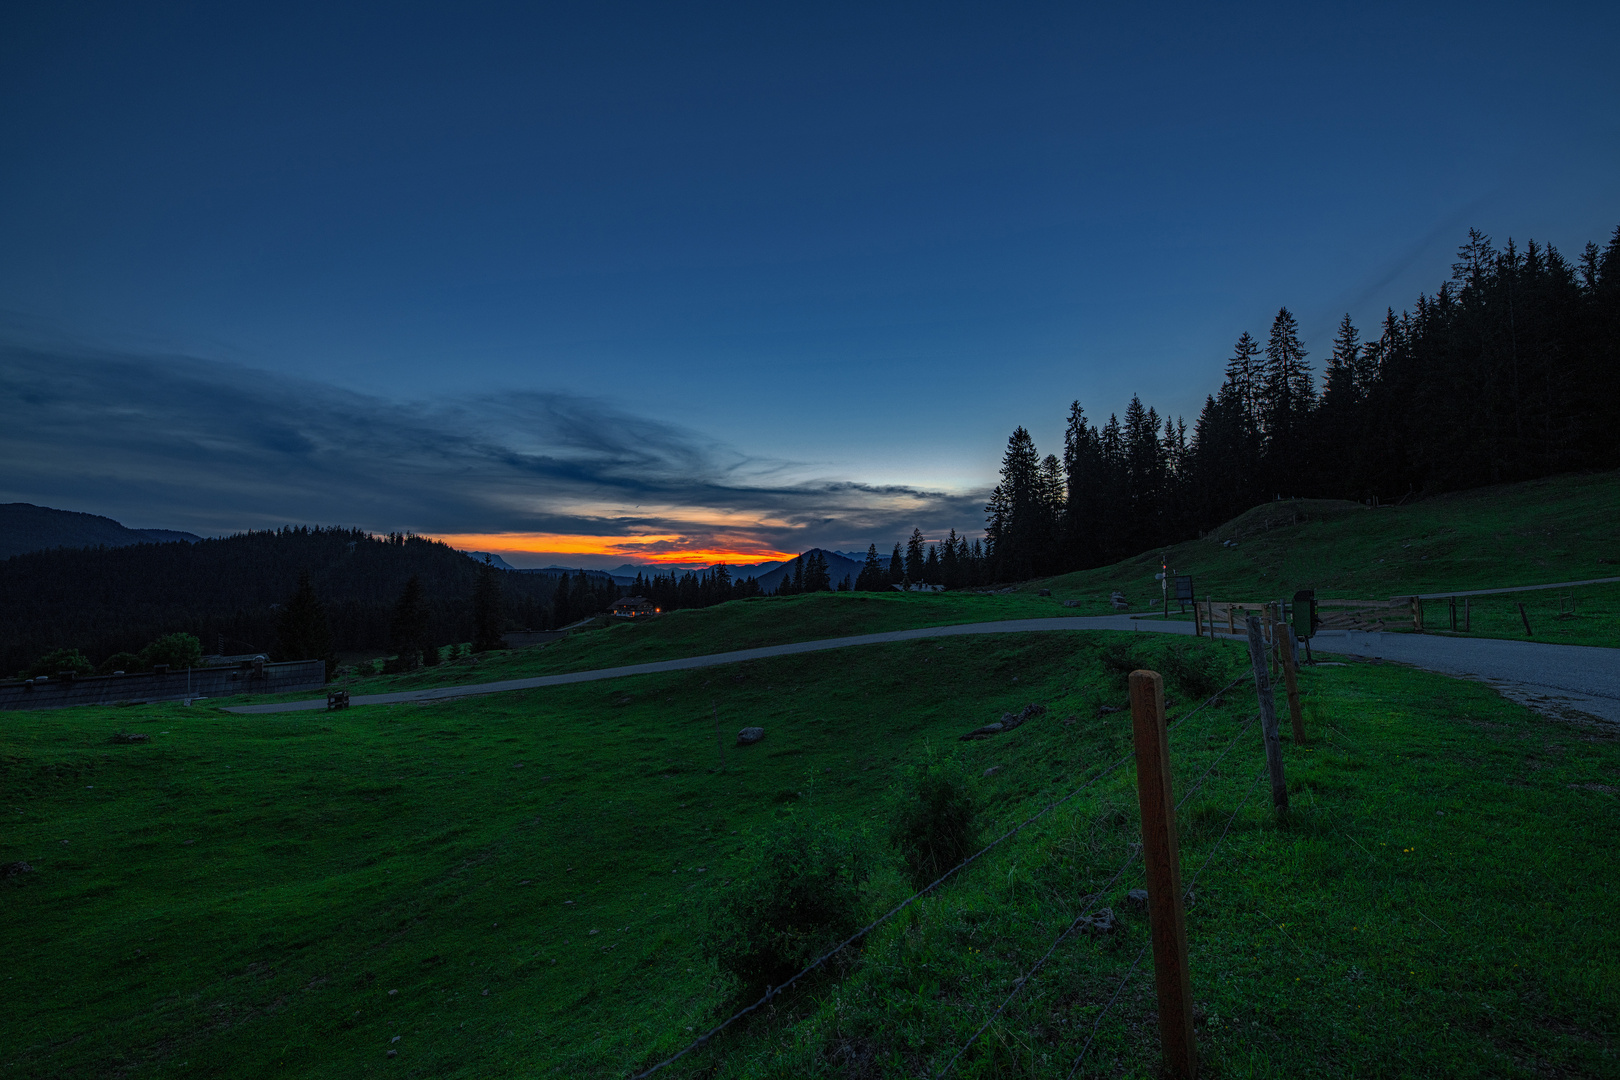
x=914, y=557
x=302, y=631
x=1290, y=398
x=488, y=618
x=409, y=625
x=1014, y=517
x=870, y=578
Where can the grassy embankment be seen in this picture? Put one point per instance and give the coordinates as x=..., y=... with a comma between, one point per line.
x=511, y=885
x=1541, y=532
x=1564, y=529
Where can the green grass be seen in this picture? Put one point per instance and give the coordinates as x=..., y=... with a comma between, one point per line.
x=1540, y=532
x=1562, y=529
x=740, y=624
x=239, y=896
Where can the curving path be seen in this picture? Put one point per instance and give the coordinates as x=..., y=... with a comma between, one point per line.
x=1586, y=679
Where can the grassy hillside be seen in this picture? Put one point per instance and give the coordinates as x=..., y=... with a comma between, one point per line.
x=514, y=885
x=1543, y=531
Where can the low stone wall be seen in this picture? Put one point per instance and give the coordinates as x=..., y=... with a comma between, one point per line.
x=249, y=678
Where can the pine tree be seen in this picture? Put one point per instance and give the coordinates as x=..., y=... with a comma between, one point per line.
x=1246, y=376
x=488, y=619
x=1290, y=398
x=1014, y=516
x=302, y=630
x=871, y=575
x=409, y=625
x=897, y=568
x=914, y=557
x=950, y=572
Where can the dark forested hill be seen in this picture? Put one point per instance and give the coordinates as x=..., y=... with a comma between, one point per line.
x=26, y=527
x=109, y=600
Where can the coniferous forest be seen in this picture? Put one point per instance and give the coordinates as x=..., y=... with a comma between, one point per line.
x=1509, y=371
x=271, y=592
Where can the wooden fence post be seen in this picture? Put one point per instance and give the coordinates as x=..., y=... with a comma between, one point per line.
x=1528, y=632
x=1285, y=637
x=1468, y=614
x=1417, y=614
x=1161, y=854
x=1268, y=716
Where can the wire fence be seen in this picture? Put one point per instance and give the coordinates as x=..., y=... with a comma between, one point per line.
x=1188, y=891
x=773, y=992
x=1085, y=915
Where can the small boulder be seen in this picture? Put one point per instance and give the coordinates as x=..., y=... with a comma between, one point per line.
x=750, y=735
x=1044, y=592
x=13, y=869
x=127, y=737
x=1100, y=923
x=1137, y=897
x=1071, y=603
x=992, y=770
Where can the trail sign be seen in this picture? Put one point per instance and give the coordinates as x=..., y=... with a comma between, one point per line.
x=1184, y=589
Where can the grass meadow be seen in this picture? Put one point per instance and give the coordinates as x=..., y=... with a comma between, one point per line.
x=515, y=884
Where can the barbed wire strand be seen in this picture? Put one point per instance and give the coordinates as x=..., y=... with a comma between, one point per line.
x=774, y=991
x=1143, y=950
x=1019, y=983
x=1078, y=919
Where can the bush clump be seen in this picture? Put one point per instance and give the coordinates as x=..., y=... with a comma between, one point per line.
x=798, y=892
x=119, y=661
x=936, y=824
x=54, y=663
x=1198, y=672
x=1119, y=659
x=176, y=650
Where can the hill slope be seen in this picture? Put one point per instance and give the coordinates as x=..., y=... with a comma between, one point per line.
x=1538, y=532
x=25, y=527
x=109, y=600
x=517, y=885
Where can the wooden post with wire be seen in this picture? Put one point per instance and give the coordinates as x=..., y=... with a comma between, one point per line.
x=1268, y=716
x=1285, y=639
x=1161, y=854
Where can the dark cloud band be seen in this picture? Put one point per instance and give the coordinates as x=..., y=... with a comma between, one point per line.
x=212, y=447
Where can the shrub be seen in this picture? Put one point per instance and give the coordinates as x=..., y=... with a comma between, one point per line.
x=1198, y=672
x=176, y=650
x=936, y=824
x=797, y=893
x=53, y=663
x=1119, y=659
x=119, y=661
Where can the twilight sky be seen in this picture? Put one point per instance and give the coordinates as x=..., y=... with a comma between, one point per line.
x=609, y=282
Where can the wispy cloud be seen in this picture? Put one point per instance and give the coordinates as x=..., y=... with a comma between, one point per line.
x=184, y=443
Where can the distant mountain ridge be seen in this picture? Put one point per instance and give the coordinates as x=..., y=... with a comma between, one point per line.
x=838, y=568
x=25, y=527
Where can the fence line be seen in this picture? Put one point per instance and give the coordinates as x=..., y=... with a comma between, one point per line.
x=1143, y=950
x=1022, y=981
x=773, y=991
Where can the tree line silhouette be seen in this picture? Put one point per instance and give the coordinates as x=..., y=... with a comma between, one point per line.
x=1509, y=372
x=271, y=592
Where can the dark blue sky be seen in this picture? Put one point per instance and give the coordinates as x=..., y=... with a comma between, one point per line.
x=827, y=257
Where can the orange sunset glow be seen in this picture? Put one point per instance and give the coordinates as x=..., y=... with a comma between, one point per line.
x=656, y=549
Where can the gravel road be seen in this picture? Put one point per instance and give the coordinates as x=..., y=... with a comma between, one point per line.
x=1552, y=678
